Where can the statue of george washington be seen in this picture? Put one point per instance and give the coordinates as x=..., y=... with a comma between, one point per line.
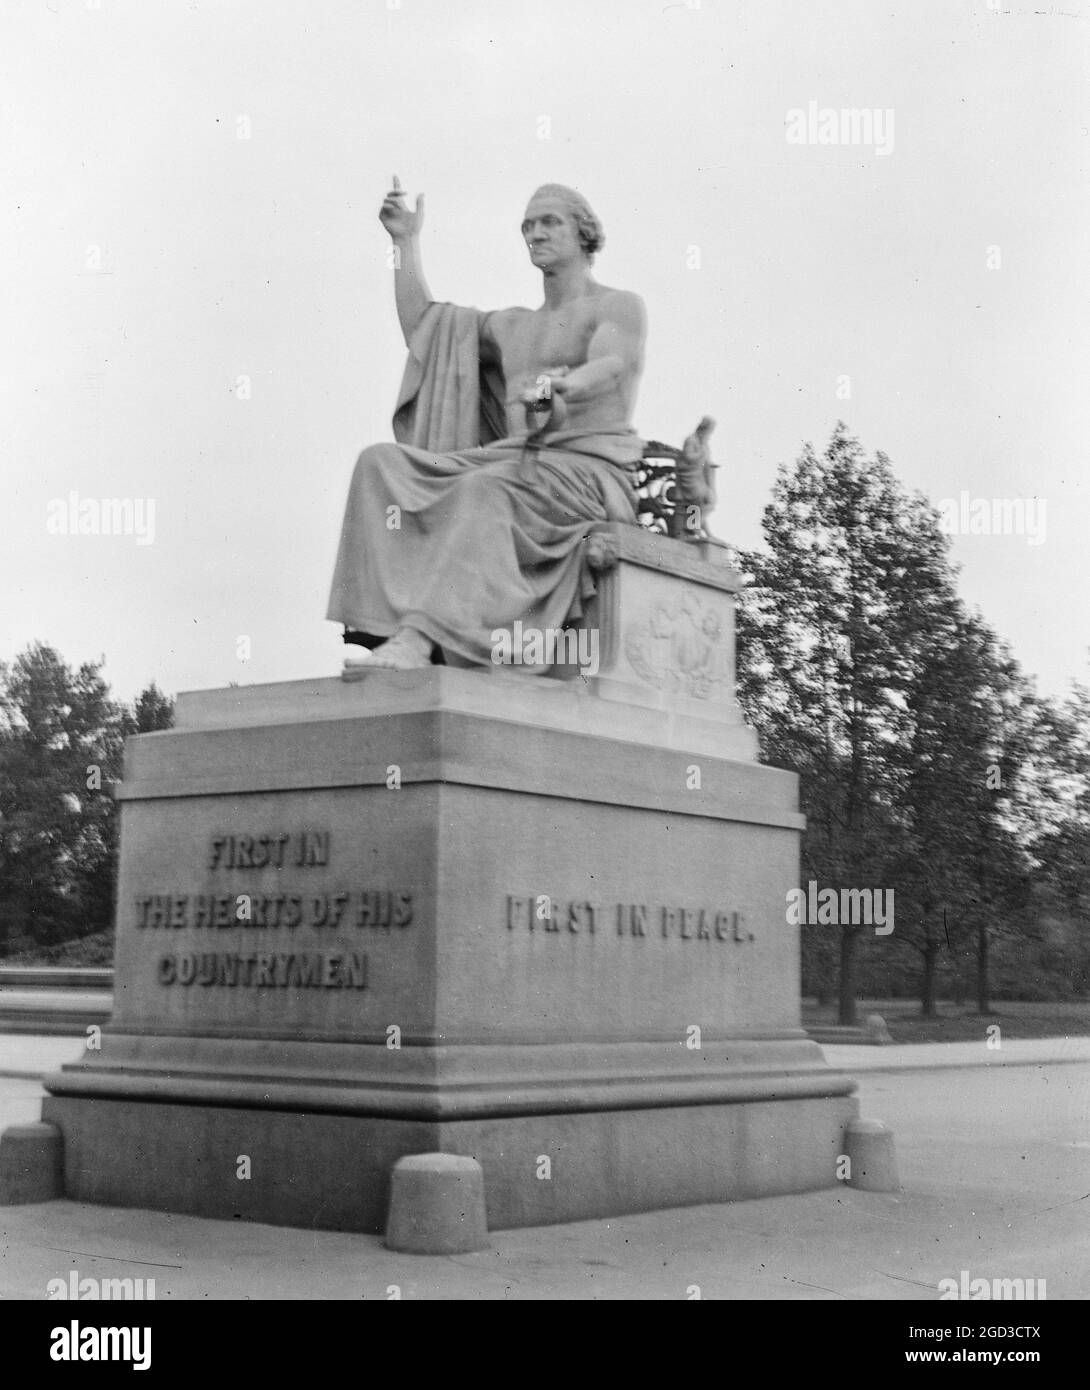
x=514, y=438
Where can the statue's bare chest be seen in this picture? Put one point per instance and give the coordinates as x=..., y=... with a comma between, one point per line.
x=532, y=341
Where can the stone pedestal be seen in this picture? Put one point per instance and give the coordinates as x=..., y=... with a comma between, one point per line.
x=535, y=922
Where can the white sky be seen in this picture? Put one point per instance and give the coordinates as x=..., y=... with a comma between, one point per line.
x=222, y=256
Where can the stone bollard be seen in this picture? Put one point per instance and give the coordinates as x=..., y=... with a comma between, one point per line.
x=869, y=1146
x=437, y=1205
x=31, y=1164
x=876, y=1030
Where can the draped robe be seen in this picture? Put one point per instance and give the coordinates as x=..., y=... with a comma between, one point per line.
x=458, y=533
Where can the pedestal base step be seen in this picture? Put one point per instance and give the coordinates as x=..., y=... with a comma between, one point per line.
x=332, y=1172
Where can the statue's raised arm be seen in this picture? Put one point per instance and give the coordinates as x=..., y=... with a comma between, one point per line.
x=403, y=223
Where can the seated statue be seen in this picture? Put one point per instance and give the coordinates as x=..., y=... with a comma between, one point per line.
x=514, y=438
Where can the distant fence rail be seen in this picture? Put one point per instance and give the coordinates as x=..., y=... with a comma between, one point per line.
x=55, y=977
x=54, y=999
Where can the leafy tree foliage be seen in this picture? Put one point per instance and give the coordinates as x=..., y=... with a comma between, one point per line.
x=927, y=765
x=61, y=741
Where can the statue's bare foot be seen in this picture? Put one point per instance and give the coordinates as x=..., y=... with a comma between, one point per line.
x=406, y=650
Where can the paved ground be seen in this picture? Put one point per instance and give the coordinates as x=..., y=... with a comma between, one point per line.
x=994, y=1153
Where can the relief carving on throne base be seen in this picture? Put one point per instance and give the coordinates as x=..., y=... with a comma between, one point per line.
x=682, y=647
x=664, y=616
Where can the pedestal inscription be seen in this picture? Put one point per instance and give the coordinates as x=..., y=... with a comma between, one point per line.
x=253, y=915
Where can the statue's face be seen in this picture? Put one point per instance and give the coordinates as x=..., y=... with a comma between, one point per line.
x=550, y=233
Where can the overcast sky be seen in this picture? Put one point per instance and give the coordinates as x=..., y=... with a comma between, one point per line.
x=152, y=262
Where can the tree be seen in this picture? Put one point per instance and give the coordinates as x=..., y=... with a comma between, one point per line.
x=151, y=711
x=863, y=673
x=60, y=744
x=1051, y=808
x=830, y=632
x=963, y=871
x=61, y=739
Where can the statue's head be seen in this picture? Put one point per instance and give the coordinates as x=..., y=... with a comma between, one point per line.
x=559, y=219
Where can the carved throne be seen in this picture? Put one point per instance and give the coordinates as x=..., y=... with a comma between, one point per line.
x=664, y=613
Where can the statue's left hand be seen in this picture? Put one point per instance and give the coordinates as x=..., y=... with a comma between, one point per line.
x=544, y=402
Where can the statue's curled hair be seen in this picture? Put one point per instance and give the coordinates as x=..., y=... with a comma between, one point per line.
x=592, y=236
